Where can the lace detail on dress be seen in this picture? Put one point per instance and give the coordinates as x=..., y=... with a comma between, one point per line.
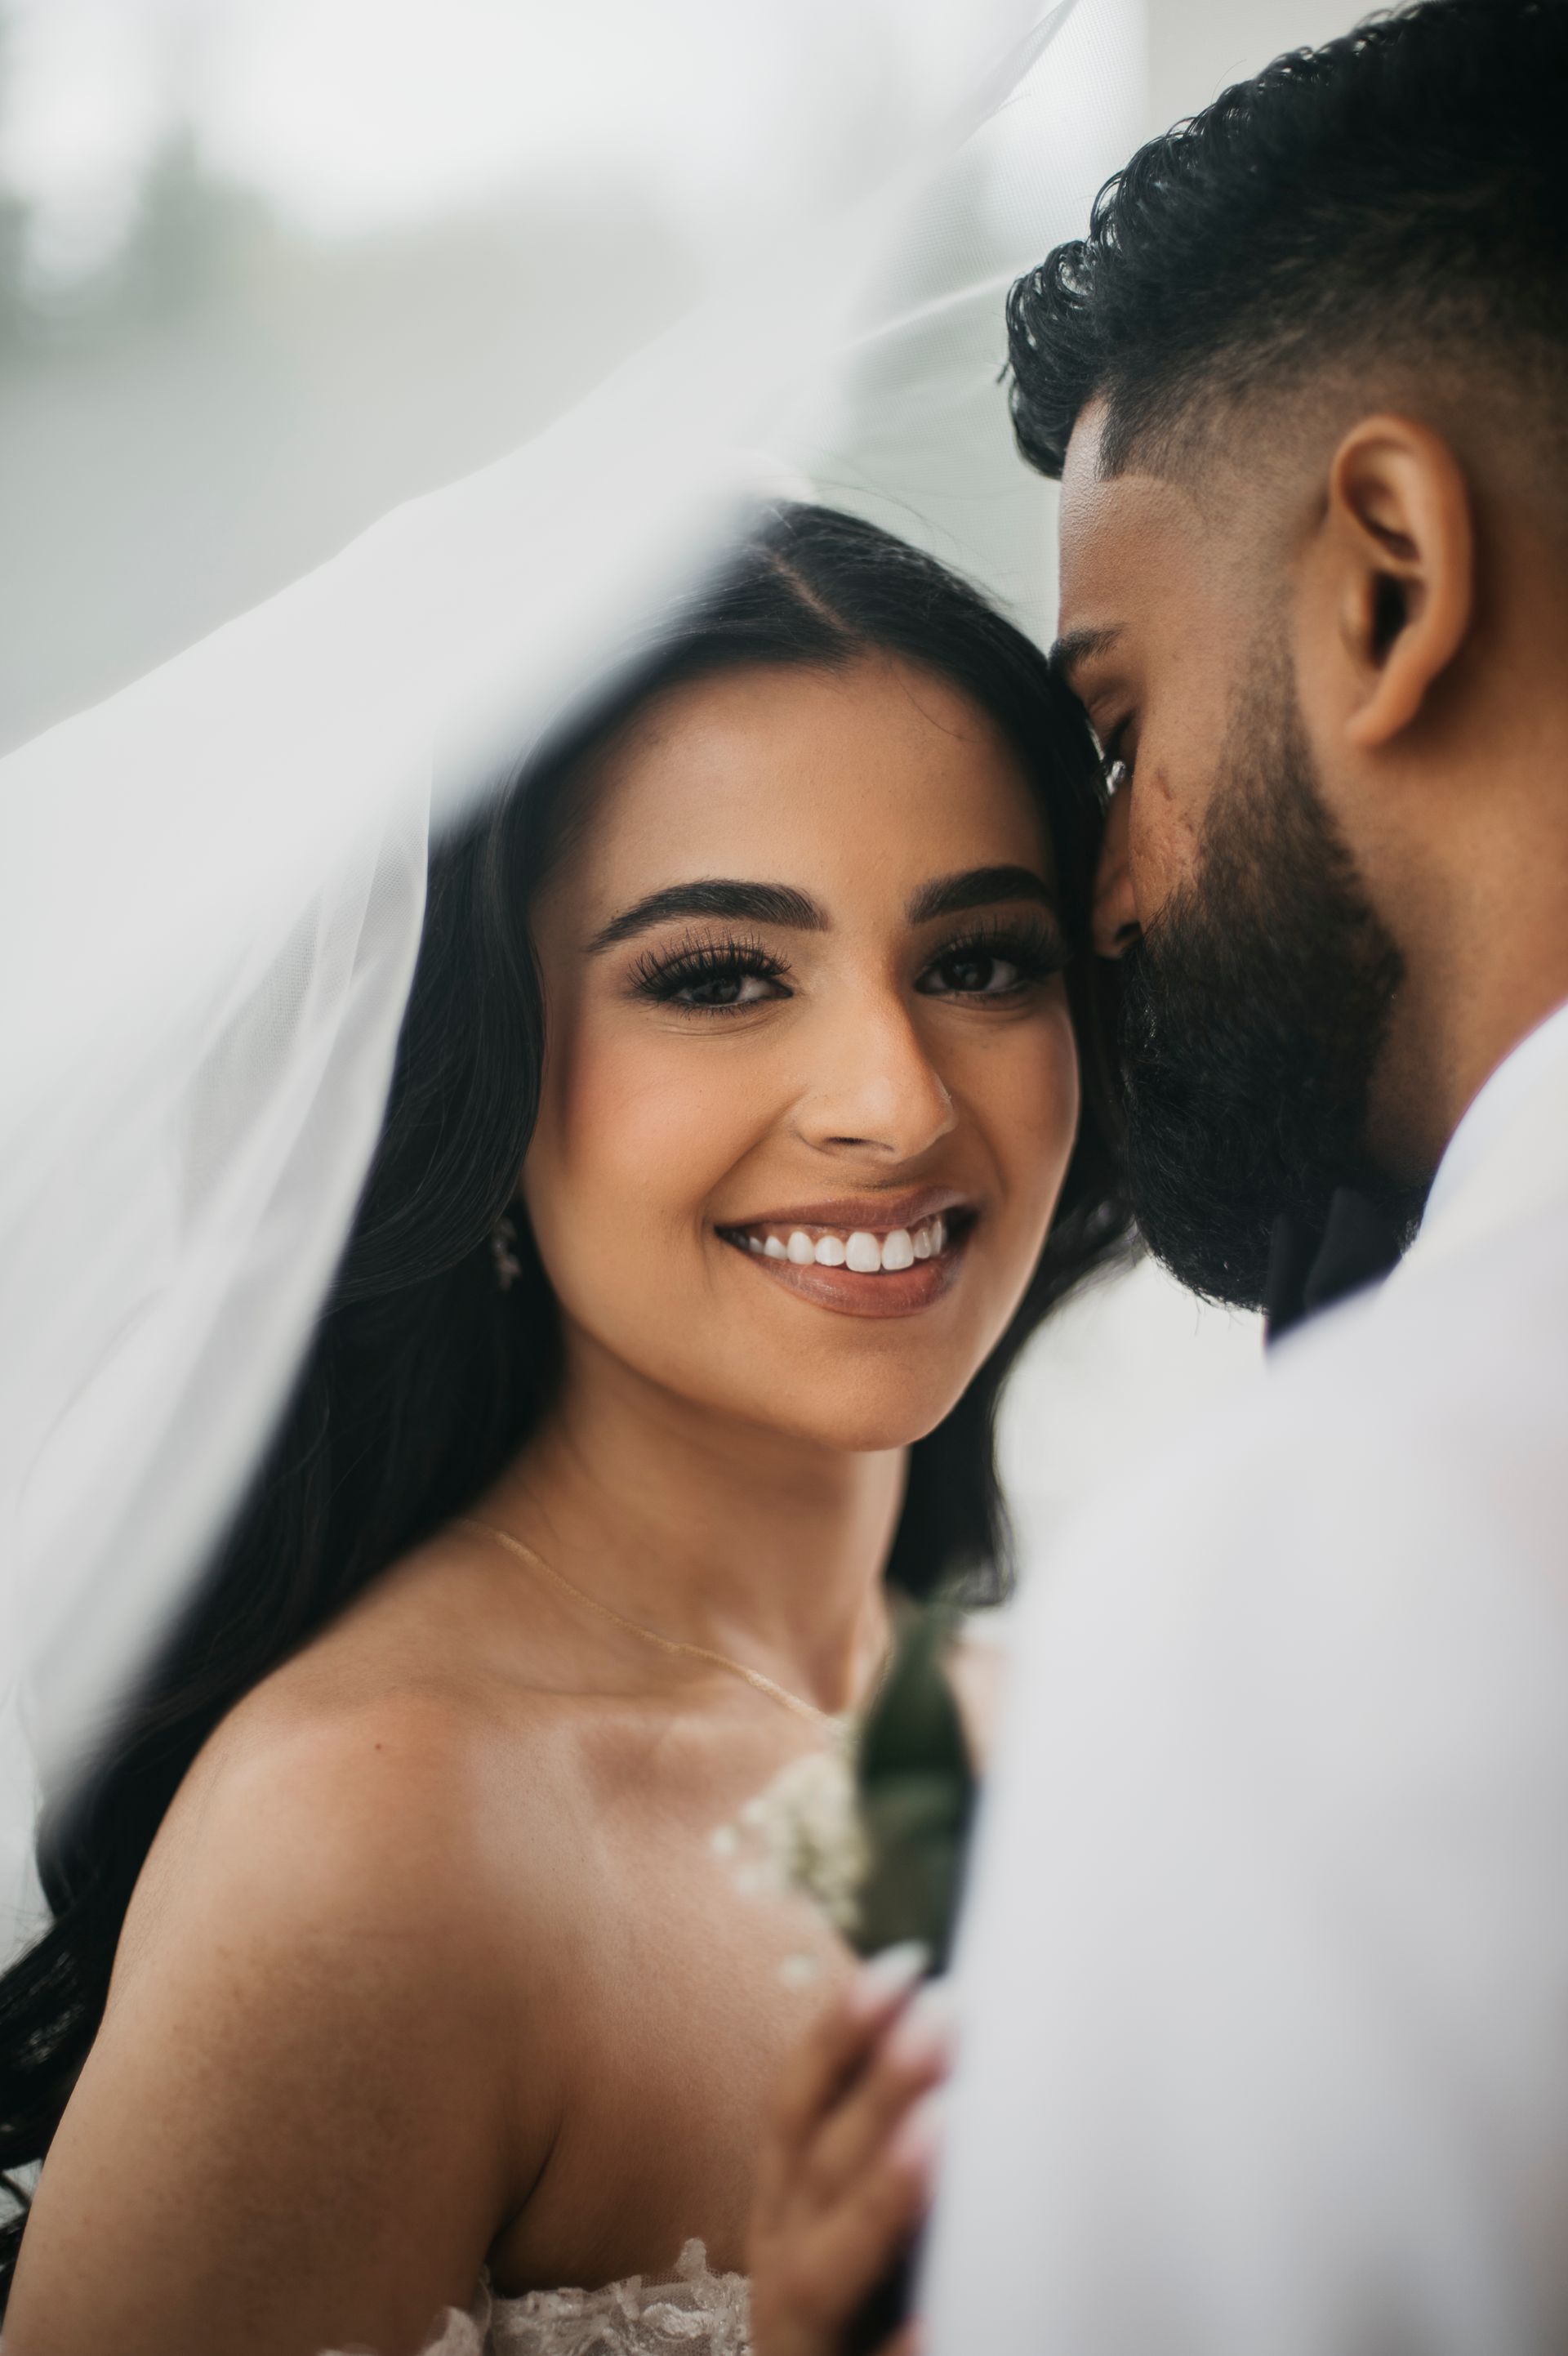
x=697, y=2314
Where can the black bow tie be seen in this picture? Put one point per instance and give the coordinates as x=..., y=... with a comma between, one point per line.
x=1308, y=1270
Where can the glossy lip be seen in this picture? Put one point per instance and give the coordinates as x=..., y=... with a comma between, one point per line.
x=891, y=1292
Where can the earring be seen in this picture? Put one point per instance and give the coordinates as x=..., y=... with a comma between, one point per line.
x=504, y=1252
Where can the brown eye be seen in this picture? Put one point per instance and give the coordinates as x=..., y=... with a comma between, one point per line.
x=978, y=973
x=731, y=988
x=995, y=963
x=711, y=977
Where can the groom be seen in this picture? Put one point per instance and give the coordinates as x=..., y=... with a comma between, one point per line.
x=1266, y=1976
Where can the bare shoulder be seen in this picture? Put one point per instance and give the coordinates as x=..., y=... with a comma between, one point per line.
x=391, y=1775
x=328, y=1811
x=303, y=2102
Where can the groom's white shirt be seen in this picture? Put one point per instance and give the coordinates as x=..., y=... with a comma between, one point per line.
x=1265, y=1980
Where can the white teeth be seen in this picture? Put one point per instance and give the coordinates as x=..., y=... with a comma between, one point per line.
x=863, y=1253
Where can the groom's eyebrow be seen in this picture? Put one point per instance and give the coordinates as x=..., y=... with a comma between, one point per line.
x=714, y=896
x=1075, y=648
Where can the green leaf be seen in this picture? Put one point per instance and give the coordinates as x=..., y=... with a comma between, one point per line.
x=915, y=1789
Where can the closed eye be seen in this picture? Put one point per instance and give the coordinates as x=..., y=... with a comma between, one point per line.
x=1117, y=757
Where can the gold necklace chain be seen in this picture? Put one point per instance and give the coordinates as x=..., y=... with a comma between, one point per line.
x=764, y=1685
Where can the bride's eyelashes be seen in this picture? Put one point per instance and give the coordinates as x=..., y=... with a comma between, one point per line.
x=710, y=976
x=998, y=961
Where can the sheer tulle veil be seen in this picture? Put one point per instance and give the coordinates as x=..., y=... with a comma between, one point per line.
x=211, y=884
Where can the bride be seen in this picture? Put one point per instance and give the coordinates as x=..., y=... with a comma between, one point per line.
x=748, y=1116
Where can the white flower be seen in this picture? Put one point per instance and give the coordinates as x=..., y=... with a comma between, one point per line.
x=803, y=1835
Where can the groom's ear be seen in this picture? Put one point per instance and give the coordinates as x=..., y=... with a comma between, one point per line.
x=1397, y=543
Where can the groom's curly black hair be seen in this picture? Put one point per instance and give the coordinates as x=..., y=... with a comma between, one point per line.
x=1400, y=194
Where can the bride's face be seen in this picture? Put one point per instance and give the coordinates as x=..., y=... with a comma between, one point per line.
x=811, y=1087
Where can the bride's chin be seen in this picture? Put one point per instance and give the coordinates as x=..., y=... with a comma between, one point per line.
x=857, y=1417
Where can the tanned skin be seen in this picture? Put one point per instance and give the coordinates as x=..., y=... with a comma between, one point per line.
x=1413, y=563
x=433, y=1963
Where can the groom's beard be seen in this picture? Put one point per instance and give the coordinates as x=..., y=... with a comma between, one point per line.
x=1256, y=1009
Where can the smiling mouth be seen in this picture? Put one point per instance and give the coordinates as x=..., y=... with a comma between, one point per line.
x=870, y=1271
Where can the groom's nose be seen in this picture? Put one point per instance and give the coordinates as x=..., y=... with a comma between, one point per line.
x=1116, y=922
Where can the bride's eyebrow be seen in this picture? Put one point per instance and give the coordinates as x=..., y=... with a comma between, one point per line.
x=756, y=903
x=978, y=887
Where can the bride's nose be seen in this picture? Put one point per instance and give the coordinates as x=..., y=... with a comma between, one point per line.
x=873, y=1085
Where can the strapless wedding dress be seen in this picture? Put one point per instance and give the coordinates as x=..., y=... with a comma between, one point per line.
x=699, y=2313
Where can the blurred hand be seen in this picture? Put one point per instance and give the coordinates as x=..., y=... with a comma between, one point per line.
x=846, y=2170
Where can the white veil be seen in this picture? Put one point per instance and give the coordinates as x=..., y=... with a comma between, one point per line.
x=211, y=883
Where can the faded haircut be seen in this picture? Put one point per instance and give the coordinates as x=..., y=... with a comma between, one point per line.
x=1399, y=196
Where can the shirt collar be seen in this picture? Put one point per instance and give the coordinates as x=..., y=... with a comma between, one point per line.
x=1490, y=1136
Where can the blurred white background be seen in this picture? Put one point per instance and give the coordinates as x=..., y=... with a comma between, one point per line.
x=269, y=267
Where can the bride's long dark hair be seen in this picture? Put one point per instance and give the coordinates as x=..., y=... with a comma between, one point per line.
x=424, y=1376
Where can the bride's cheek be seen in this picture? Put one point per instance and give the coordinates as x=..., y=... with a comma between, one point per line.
x=638, y=1130
x=1034, y=1103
